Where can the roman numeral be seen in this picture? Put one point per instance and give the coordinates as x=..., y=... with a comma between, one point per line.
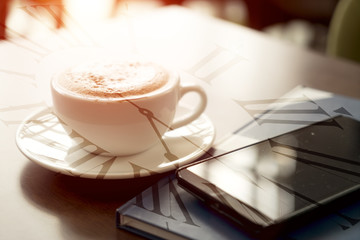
x=17, y=108
x=172, y=190
x=73, y=37
x=29, y=78
x=262, y=114
x=222, y=65
x=27, y=44
x=38, y=54
x=83, y=36
x=21, y=107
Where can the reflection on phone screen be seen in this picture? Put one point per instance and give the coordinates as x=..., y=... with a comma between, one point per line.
x=285, y=175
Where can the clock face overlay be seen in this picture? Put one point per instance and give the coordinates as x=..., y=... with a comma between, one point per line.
x=52, y=144
x=40, y=36
x=40, y=137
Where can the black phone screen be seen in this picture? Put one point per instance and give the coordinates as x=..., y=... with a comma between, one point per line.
x=271, y=181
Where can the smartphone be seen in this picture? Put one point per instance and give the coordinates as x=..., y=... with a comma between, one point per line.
x=273, y=185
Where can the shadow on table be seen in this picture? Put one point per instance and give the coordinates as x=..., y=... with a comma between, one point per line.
x=85, y=207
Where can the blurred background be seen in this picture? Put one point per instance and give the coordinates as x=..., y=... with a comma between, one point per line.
x=304, y=23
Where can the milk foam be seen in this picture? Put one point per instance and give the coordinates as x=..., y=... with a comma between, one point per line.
x=114, y=79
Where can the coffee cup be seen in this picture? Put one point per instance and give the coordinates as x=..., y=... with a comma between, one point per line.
x=123, y=107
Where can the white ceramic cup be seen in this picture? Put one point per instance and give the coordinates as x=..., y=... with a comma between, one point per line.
x=125, y=126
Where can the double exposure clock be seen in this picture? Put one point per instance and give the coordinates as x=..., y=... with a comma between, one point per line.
x=43, y=38
x=28, y=62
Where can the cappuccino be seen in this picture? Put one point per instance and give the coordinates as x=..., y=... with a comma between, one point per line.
x=122, y=107
x=125, y=79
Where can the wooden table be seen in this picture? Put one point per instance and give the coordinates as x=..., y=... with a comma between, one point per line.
x=229, y=61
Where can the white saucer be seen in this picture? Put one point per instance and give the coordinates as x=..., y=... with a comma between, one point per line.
x=53, y=145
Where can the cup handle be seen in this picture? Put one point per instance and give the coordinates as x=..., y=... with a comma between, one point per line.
x=199, y=109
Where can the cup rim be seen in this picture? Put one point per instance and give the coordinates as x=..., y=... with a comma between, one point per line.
x=173, y=76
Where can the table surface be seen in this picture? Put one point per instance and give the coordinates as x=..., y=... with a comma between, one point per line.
x=228, y=60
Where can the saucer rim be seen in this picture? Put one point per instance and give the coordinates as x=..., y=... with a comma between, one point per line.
x=109, y=175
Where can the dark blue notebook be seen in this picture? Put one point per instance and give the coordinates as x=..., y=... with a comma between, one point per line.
x=166, y=211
